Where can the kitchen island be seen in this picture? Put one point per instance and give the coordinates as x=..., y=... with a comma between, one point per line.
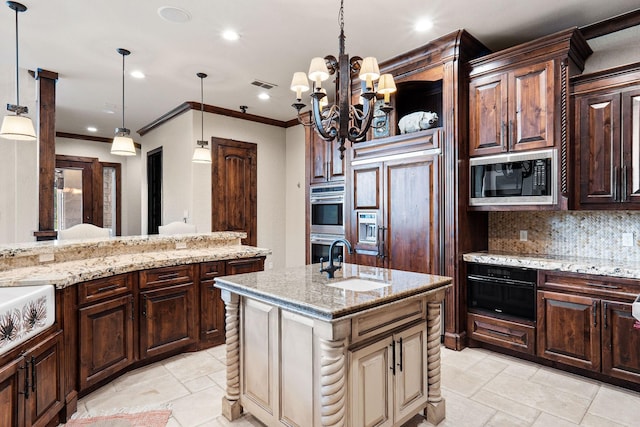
x=360, y=349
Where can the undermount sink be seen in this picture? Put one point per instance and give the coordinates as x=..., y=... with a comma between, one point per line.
x=25, y=311
x=635, y=308
x=359, y=285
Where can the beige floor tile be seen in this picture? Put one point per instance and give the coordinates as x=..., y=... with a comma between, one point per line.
x=566, y=381
x=461, y=411
x=198, y=384
x=464, y=382
x=509, y=406
x=173, y=423
x=501, y=419
x=246, y=421
x=194, y=365
x=547, y=420
x=219, y=352
x=617, y=405
x=516, y=367
x=462, y=359
x=140, y=375
x=543, y=397
x=590, y=420
x=197, y=408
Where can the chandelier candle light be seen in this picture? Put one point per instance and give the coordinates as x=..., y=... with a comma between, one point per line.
x=122, y=143
x=342, y=120
x=16, y=126
x=201, y=154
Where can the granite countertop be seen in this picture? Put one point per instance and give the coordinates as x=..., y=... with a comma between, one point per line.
x=596, y=266
x=307, y=291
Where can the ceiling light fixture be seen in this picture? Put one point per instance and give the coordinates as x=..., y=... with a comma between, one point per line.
x=264, y=96
x=122, y=143
x=424, y=24
x=230, y=35
x=137, y=74
x=16, y=126
x=342, y=120
x=201, y=154
x=92, y=129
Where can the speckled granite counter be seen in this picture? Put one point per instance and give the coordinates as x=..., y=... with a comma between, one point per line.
x=64, y=263
x=305, y=290
x=594, y=266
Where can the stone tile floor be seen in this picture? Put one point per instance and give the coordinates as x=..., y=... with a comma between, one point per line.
x=481, y=388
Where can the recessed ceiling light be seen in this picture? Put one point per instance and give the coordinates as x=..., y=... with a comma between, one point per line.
x=92, y=129
x=174, y=14
x=230, y=35
x=424, y=24
x=137, y=74
x=264, y=96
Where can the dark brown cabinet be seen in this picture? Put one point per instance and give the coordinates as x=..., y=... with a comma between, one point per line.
x=512, y=110
x=325, y=163
x=212, y=330
x=608, y=139
x=106, y=328
x=168, y=313
x=31, y=386
x=586, y=322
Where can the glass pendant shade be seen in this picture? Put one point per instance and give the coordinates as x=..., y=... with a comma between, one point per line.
x=19, y=128
x=123, y=146
x=201, y=155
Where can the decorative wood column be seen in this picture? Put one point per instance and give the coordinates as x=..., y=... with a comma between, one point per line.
x=47, y=146
x=332, y=383
x=435, y=410
x=231, y=408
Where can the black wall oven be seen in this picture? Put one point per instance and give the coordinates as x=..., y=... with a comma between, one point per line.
x=504, y=290
x=320, y=247
x=327, y=209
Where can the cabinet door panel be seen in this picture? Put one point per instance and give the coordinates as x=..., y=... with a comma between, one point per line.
x=249, y=265
x=106, y=339
x=411, y=380
x=47, y=398
x=211, y=306
x=569, y=329
x=168, y=320
x=367, y=186
x=620, y=342
x=599, y=143
x=531, y=101
x=12, y=384
x=488, y=115
x=371, y=385
x=631, y=149
x=318, y=157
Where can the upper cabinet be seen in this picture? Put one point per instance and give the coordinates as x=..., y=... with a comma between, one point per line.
x=325, y=164
x=607, y=131
x=518, y=96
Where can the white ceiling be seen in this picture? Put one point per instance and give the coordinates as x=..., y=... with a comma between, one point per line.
x=78, y=39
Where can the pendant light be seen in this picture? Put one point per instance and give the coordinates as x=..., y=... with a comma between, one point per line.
x=122, y=143
x=16, y=126
x=201, y=154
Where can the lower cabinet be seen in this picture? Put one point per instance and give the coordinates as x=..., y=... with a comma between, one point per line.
x=388, y=379
x=211, y=305
x=586, y=322
x=31, y=386
x=508, y=333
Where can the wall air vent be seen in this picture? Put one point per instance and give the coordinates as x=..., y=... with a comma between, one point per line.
x=263, y=85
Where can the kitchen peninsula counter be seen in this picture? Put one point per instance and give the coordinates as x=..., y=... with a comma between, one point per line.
x=302, y=348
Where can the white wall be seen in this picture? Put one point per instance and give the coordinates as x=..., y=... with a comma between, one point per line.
x=187, y=185
x=130, y=176
x=295, y=196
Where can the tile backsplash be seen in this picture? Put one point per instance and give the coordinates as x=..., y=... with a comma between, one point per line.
x=591, y=234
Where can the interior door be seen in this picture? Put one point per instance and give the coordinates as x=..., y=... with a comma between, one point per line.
x=74, y=203
x=234, y=186
x=154, y=190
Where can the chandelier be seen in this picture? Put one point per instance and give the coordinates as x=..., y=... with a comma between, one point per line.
x=341, y=120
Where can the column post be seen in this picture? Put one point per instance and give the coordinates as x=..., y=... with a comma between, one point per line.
x=231, y=408
x=435, y=410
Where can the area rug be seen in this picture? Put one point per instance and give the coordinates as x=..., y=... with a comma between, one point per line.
x=157, y=418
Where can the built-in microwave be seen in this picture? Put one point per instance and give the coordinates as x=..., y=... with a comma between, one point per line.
x=327, y=209
x=514, y=179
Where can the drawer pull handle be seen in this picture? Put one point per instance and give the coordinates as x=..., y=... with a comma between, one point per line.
x=393, y=357
x=502, y=334
x=605, y=308
x=168, y=276
x=601, y=285
x=108, y=288
x=400, y=364
x=595, y=313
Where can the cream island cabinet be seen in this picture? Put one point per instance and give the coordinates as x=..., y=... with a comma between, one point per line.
x=361, y=349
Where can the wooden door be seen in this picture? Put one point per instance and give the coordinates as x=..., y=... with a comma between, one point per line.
x=234, y=187
x=90, y=208
x=154, y=190
x=568, y=329
x=367, y=199
x=412, y=224
x=47, y=395
x=212, y=330
x=106, y=339
x=531, y=107
x=12, y=393
x=488, y=115
x=630, y=172
x=168, y=319
x=411, y=372
x=599, y=149
x=371, y=388
x=620, y=342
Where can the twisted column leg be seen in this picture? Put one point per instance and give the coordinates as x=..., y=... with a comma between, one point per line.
x=435, y=411
x=231, y=407
x=332, y=382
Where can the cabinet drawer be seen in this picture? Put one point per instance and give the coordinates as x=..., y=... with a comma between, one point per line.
x=209, y=270
x=248, y=265
x=504, y=333
x=385, y=319
x=101, y=289
x=600, y=286
x=166, y=276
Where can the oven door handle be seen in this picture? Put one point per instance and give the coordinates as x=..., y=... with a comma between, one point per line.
x=326, y=200
x=500, y=280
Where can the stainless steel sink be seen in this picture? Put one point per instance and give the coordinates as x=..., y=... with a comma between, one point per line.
x=25, y=311
x=359, y=285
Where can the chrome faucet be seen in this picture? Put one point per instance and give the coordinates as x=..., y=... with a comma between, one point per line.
x=331, y=268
